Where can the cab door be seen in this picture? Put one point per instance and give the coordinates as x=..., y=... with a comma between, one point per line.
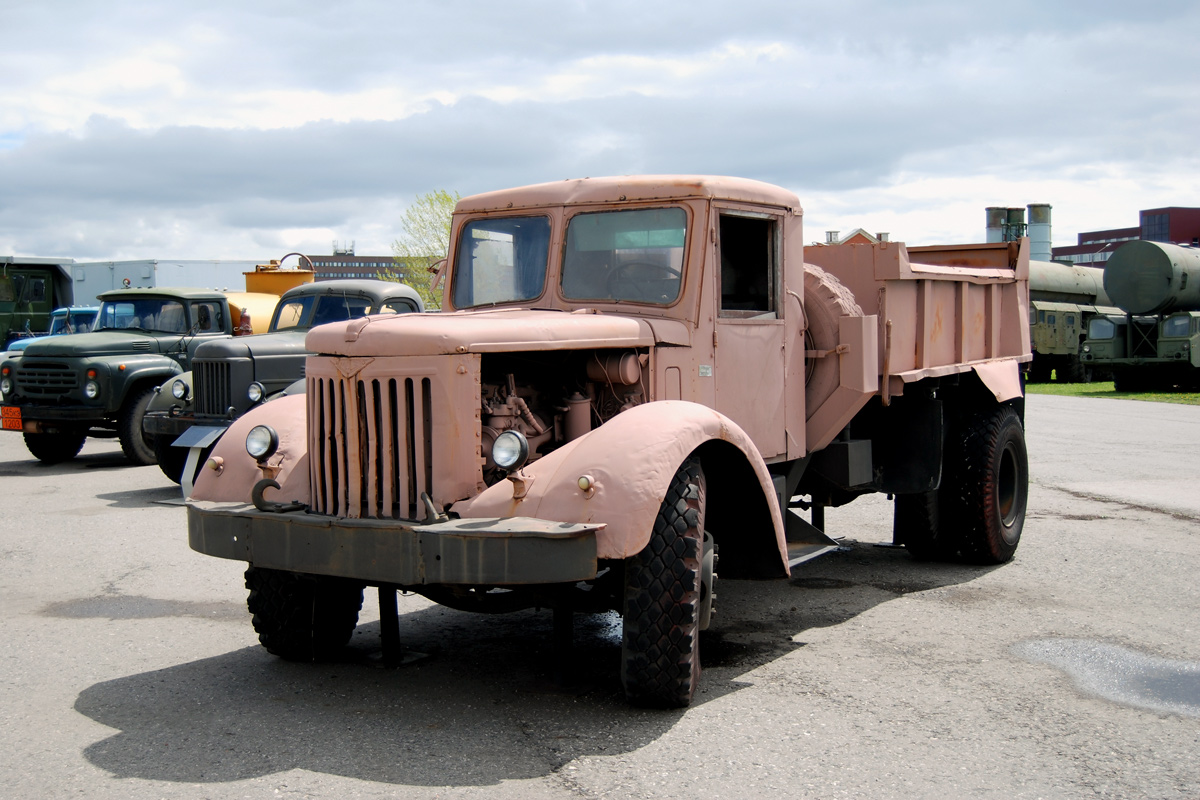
x=748, y=342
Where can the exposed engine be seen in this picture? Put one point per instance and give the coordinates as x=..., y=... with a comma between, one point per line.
x=555, y=397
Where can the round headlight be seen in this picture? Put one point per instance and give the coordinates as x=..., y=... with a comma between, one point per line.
x=510, y=450
x=261, y=442
x=91, y=390
x=255, y=392
x=6, y=385
x=1087, y=348
x=179, y=390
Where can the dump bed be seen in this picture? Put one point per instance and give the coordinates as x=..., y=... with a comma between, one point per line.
x=941, y=309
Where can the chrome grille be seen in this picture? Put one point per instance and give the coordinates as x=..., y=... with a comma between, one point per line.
x=370, y=445
x=45, y=379
x=212, y=383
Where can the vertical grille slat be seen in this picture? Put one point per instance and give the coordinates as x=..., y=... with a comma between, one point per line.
x=372, y=445
x=212, y=383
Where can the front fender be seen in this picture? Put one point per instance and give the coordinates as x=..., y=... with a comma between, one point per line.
x=239, y=472
x=163, y=399
x=631, y=460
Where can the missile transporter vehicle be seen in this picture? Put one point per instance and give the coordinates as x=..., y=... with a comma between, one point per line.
x=1153, y=343
x=62, y=389
x=630, y=377
x=190, y=411
x=1063, y=300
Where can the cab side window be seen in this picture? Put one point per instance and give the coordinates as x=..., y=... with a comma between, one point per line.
x=749, y=261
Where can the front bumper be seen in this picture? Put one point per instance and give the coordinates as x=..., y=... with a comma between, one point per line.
x=473, y=552
x=161, y=423
x=51, y=419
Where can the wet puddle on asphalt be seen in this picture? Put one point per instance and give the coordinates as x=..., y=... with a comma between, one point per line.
x=1122, y=675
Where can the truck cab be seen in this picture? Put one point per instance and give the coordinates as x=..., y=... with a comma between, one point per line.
x=63, y=389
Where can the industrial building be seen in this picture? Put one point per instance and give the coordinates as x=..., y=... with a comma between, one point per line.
x=1174, y=224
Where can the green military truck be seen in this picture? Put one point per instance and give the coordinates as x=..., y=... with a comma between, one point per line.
x=63, y=389
x=30, y=290
x=1153, y=342
x=228, y=377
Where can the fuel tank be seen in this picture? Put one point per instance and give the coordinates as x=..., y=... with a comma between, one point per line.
x=1153, y=278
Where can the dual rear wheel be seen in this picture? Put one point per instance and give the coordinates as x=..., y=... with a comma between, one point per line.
x=979, y=510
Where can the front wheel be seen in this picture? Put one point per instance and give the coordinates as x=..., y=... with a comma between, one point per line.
x=664, y=599
x=54, y=448
x=136, y=444
x=302, y=617
x=170, y=459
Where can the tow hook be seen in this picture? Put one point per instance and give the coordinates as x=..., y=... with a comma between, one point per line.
x=262, y=504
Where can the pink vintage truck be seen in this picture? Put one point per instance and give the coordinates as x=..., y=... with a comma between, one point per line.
x=628, y=375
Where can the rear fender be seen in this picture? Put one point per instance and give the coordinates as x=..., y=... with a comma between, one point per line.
x=630, y=462
x=238, y=472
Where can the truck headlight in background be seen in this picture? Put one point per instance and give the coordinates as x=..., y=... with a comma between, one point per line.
x=510, y=451
x=6, y=385
x=91, y=390
x=256, y=391
x=179, y=390
x=261, y=442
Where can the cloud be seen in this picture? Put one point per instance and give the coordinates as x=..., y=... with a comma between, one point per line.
x=227, y=129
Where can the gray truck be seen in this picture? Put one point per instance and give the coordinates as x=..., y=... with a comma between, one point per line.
x=62, y=389
x=228, y=377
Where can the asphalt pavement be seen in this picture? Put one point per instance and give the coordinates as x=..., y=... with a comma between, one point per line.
x=130, y=668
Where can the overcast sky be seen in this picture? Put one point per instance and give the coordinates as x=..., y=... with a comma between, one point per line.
x=250, y=129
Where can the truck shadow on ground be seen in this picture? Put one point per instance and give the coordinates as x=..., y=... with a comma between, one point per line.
x=31, y=467
x=483, y=708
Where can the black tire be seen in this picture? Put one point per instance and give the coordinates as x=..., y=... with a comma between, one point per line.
x=1128, y=380
x=660, y=647
x=170, y=459
x=136, y=444
x=1039, y=370
x=990, y=487
x=916, y=524
x=54, y=448
x=1076, y=371
x=302, y=617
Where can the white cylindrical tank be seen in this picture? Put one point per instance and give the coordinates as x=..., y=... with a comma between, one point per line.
x=1039, y=232
x=995, y=223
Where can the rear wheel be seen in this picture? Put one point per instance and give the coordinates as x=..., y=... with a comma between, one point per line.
x=990, y=487
x=302, y=617
x=54, y=448
x=136, y=444
x=916, y=524
x=664, y=599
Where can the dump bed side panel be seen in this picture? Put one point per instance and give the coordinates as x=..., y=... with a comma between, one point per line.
x=941, y=309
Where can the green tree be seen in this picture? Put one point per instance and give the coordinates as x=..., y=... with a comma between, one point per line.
x=424, y=241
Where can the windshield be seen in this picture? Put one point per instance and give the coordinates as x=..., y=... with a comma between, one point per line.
x=144, y=314
x=1101, y=328
x=634, y=255
x=501, y=261
x=310, y=310
x=1177, y=326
